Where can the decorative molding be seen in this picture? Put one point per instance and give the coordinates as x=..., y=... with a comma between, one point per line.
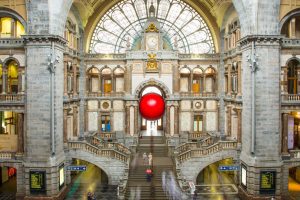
x=39, y=39
x=260, y=40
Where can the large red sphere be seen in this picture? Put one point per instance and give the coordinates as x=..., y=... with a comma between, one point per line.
x=152, y=106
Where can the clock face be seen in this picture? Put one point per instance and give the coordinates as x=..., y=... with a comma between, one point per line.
x=152, y=42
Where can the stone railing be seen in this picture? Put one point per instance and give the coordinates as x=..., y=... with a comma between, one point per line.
x=201, y=152
x=109, y=145
x=186, y=147
x=122, y=187
x=11, y=42
x=287, y=42
x=7, y=155
x=100, y=94
x=101, y=152
x=12, y=98
x=197, y=135
x=292, y=98
x=295, y=154
x=192, y=94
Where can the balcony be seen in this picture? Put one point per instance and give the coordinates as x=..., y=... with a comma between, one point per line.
x=7, y=43
x=12, y=98
x=290, y=43
x=290, y=98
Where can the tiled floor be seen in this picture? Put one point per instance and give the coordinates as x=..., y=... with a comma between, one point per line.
x=8, y=190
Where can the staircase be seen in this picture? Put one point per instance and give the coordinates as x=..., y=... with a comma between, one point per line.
x=161, y=162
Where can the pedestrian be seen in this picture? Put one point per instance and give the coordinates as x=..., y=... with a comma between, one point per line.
x=195, y=195
x=148, y=174
x=145, y=158
x=89, y=196
x=150, y=159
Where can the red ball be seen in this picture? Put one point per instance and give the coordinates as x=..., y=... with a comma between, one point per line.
x=152, y=106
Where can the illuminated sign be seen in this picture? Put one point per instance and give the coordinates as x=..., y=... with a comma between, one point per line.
x=61, y=176
x=37, y=181
x=244, y=175
x=267, y=182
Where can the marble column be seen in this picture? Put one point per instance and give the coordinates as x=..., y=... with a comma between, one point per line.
x=19, y=80
x=285, y=133
x=228, y=112
x=20, y=130
x=65, y=125
x=239, y=133
x=239, y=78
x=75, y=80
x=65, y=78
x=75, y=121
x=4, y=81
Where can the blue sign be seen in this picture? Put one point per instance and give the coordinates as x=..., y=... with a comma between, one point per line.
x=229, y=168
x=76, y=168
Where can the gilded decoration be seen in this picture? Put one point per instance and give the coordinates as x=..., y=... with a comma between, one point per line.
x=152, y=62
x=152, y=28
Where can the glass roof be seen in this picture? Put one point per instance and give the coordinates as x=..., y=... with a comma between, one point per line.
x=178, y=21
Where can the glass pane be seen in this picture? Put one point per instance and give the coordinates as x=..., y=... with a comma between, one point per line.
x=6, y=27
x=125, y=21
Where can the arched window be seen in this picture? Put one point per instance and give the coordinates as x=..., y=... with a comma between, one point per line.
x=93, y=80
x=119, y=79
x=291, y=28
x=293, y=66
x=210, y=80
x=197, y=80
x=12, y=77
x=11, y=28
x=182, y=26
x=106, y=76
x=185, y=76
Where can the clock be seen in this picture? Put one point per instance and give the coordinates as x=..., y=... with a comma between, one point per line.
x=152, y=42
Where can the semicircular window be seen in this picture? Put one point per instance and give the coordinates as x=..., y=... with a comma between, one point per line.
x=179, y=22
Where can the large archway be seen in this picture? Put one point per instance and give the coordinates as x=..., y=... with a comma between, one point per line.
x=94, y=180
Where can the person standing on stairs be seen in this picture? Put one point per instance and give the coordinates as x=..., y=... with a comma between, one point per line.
x=145, y=158
x=150, y=159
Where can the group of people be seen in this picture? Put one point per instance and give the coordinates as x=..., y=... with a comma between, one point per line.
x=91, y=196
x=147, y=159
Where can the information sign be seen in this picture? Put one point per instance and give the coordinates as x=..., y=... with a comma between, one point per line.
x=267, y=182
x=76, y=168
x=37, y=181
x=229, y=168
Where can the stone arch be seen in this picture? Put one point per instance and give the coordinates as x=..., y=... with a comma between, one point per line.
x=91, y=67
x=191, y=168
x=291, y=59
x=152, y=82
x=285, y=174
x=6, y=12
x=295, y=12
x=114, y=169
x=9, y=59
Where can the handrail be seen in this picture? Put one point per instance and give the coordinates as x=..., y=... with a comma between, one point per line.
x=105, y=152
x=7, y=155
x=205, y=151
x=108, y=145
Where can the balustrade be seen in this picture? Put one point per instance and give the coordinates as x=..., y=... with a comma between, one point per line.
x=203, y=151
x=7, y=155
x=290, y=98
x=12, y=98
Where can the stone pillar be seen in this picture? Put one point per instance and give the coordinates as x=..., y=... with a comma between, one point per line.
x=65, y=125
x=176, y=79
x=285, y=80
x=285, y=133
x=204, y=84
x=4, y=81
x=20, y=130
x=228, y=113
x=229, y=79
x=75, y=121
x=136, y=128
x=239, y=133
x=75, y=80
x=259, y=154
x=127, y=118
x=19, y=80
x=65, y=78
x=86, y=121
x=239, y=78
x=23, y=82
x=44, y=138
x=112, y=83
x=176, y=118
x=168, y=128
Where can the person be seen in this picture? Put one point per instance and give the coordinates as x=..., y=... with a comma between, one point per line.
x=145, y=158
x=195, y=195
x=89, y=196
x=149, y=174
x=150, y=159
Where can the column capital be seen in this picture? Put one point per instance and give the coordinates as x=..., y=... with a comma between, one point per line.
x=44, y=40
x=260, y=40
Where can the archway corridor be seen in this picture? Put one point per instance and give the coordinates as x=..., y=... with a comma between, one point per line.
x=93, y=180
x=8, y=183
x=213, y=184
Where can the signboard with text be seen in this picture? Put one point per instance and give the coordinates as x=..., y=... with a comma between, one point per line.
x=37, y=182
x=267, y=182
x=76, y=168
